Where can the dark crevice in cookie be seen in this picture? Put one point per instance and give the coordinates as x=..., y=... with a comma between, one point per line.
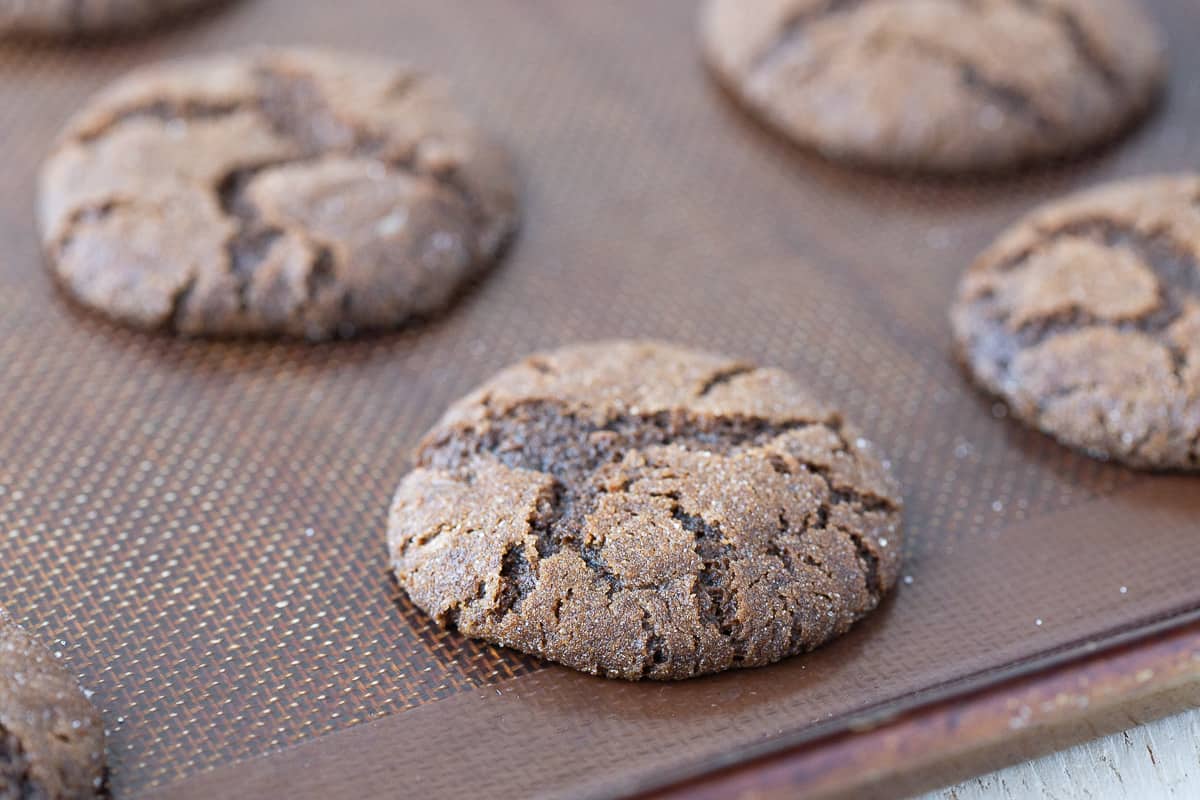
x=1086, y=50
x=545, y=524
x=547, y=437
x=842, y=493
x=250, y=244
x=179, y=303
x=1008, y=98
x=322, y=274
x=248, y=249
x=1011, y=99
x=168, y=112
x=870, y=562
x=595, y=562
x=716, y=596
x=793, y=29
x=657, y=654
x=297, y=110
x=231, y=190
x=15, y=778
x=84, y=215
x=1176, y=270
x=516, y=580
x=775, y=549
x=724, y=376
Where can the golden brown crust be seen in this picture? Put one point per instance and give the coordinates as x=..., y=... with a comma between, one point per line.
x=1085, y=317
x=51, y=738
x=634, y=509
x=294, y=192
x=940, y=85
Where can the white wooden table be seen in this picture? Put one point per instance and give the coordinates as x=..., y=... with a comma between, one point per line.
x=1158, y=760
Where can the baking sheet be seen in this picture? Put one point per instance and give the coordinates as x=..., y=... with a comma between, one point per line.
x=198, y=527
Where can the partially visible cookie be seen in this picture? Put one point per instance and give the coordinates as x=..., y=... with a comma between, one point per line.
x=296, y=192
x=639, y=510
x=51, y=738
x=66, y=18
x=1085, y=318
x=938, y=85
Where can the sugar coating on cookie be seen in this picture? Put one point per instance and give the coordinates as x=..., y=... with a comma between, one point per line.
x=51, y=737
x=295, y=192
x=68, y=18
x=639, y=510
x=1085, y=318
x=938, y=85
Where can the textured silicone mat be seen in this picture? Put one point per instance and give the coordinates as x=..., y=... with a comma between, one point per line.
x=198, y=526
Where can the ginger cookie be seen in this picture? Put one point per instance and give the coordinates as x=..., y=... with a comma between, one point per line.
x=1085, y=319
x=71, y=18
x=51, y=738
x=292, y=192
x=639, y=510
x=938, y=85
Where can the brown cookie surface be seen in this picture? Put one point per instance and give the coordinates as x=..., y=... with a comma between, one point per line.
x=65, y=18
x=1085, y=318
x=295, y=192
x=51, y=738
x=639, y=510
x=938, y=85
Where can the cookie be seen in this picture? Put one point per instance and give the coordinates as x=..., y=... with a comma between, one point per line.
x=938, y=85
x=51, y=738
x=638, y=510
x=1085, y=319
x=292, y=192
x=69, y=18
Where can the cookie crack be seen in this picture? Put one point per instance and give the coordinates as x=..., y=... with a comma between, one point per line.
x=723, y=377
x=15, y=769
x=179, y=303
x=715, y=589
x=1085, y=49
x=544, y=524
x=792, y=32
x=168, y=112
x=516, y=580
x=1175, y=269
x=90, y=213
x=869, y=560
x=247, y=249
x=551, y=438
x=1005, y=97
x=289, y=96
x=652, y=653
x=1008, y=98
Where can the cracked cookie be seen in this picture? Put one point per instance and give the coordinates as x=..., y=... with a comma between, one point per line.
x=51, y=738
x=638, y=510
x=292, y=192
x=1085, y=319
x=67, y=18
x=938, y=85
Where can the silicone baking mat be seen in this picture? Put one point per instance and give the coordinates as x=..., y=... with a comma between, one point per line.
x=198, y=526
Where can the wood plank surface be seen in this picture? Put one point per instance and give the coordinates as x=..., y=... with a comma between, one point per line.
x=1156, y=761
